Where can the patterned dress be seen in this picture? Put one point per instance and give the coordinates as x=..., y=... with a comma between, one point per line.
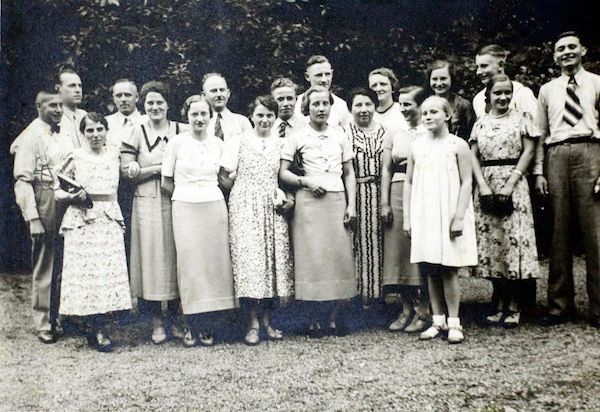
x=506, y=245
x=368, y=237
x=259, y=237
x=94, y=276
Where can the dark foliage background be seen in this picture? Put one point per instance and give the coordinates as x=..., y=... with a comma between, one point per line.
x=251, y=42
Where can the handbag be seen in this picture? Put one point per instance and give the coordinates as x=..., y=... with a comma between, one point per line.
x=71, y=186
x=496, y=204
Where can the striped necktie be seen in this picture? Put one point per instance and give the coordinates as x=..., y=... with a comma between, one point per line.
x=573, y=111
x=282, y=127
x=218, y=127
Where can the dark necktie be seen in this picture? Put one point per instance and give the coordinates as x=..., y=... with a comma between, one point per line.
x=282, y=126
x=573, y=110
x=218, y=127
x=54, y=128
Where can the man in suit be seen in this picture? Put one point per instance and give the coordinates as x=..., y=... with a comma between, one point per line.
x=40, y=153
x=224, y=123
x=567, y=169
x=319, y=73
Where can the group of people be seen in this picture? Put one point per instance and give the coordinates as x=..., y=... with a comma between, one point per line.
x=310, y=198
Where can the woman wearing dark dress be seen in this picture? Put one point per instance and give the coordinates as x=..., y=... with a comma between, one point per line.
x=441, y=78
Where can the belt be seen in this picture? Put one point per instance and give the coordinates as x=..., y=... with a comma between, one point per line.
x=400, y=168
x=574, y=140
x=499, y=162
x=43, y=185
x=367, y=179
x=102, y=198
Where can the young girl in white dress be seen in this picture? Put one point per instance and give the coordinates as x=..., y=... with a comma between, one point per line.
x=438, y=213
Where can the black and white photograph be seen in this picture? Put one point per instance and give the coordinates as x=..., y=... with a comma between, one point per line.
x=299, y=205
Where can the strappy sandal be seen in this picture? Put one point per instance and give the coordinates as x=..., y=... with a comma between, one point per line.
x=399, y=324
x=315, y=331
x=205, y=339
x=273, y=334
x=189, y=340
x=495, y=319
x=252, y=338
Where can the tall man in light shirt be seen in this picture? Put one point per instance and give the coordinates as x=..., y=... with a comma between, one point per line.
x=121, y=123
x=69, y=88
x=120, y=126
x=490, y=60
x=567, y=169
x=283, y=91
x=39, y=154
x=319, y=73
x=223, y=123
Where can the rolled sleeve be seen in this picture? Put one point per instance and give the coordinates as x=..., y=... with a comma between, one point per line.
x=24, y=169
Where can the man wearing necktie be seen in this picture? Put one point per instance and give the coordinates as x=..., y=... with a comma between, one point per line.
x=121, y=123
x=71, y=93
x=567, y=169
x=283, y=91
x=223, y=123
x=120, y=126
x=39, y=155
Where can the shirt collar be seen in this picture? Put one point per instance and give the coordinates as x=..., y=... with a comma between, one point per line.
x=224, y=114
x=321, y=135
x=578, y=76
x=134, y=116
x=72, y=115
x=153, y=136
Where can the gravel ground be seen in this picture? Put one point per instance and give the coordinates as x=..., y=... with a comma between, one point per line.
x=529, y=369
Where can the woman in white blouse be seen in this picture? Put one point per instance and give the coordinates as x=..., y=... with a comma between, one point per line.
x=200, y=225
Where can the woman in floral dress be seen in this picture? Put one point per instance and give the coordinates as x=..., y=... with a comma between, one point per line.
x=503, y=143
x=259, y=238
x=94, y=276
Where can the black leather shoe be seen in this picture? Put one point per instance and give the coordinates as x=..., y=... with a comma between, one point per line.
x=46, y=336
x=338, y=329
x=553, y=320
x=595, y=323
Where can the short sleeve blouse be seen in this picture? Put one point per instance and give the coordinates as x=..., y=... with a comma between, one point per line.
x=399, y=143
x=194, y=165
x=322, y=153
